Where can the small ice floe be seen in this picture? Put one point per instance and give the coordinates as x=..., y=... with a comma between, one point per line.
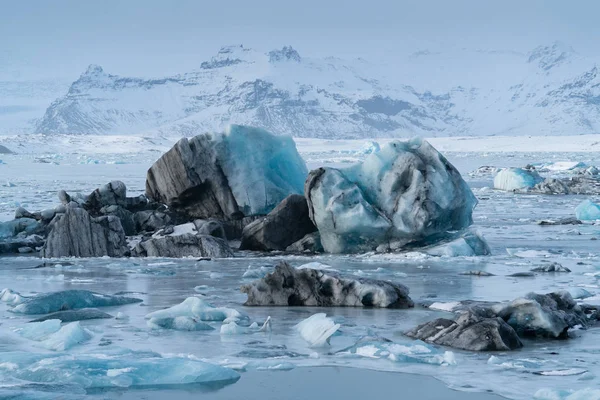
x=317, y=266
x=257, y=272
x=588, y=211
x=561, y=166
x=521, y=364
x=39, y=330
x=54, y=337
x=552, y=267
x=180, y=323
x=317, y=329
x=450, y=306
x=523, y=253
x=269, y=365
x=562, y=372
x=199, y=309
x=578, y=293
x=11, y=297
x=121, y=317
x=413, y=352
x=232, y=328
x=553, y=394
x=56, y=278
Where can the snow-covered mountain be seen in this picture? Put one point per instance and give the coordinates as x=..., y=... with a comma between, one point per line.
x=551, y=90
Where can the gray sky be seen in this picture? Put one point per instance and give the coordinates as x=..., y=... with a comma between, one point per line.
x=150, y=37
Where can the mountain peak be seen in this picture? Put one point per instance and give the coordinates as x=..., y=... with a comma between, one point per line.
x=227, y=55
x=547, y=57
x=93, y=69
x=287, y=53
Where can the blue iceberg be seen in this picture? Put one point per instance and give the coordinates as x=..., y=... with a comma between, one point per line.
x=262, y=169
x=588, y=211
x=113, y=369
x=406, y=192
x=69, y=300
x=516, y=178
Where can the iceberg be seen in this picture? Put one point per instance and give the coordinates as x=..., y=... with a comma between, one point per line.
x=194, y=307
x=317, y=329
x=242, y=172
x=180, y=323
x=69, y=300
x=588, y=211
x=407, y=192
x=516, y=178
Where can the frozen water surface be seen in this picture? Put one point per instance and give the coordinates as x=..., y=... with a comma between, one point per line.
x=128, y=354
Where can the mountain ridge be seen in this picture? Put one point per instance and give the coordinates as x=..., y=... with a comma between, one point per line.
x=550, y=90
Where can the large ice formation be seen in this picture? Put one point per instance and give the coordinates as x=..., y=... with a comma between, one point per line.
x=406, y=192
x=243, y=171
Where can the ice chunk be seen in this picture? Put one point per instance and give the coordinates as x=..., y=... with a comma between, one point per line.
x=414, y=352
x=269, y=365
x=588, y=211
x=579, y=293
x=232, y=328
x=468, y=245
x=369, y=147
x=257, y=272
x=317, y=329
x=75, y=315
x=69, y=300
x=389, y=199
x=11, y=297
x=68, y=336
x=450, y=306
x=582, y=394
x=316, y=266
x=516, y=178
x=40, y=330
x=562, y=166
x=195, y=307
x=120, y=368
x=180, y=323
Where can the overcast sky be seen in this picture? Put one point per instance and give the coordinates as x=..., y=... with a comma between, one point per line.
x=150, y=37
